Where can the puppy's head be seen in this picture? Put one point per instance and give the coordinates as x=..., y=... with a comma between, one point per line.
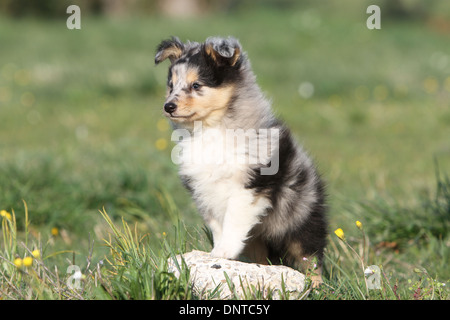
x=202, y=78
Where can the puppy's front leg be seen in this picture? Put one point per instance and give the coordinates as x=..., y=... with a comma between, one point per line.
x=242, y=213
x=216, y=229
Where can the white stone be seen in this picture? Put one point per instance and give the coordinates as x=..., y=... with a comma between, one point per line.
x=207, y=276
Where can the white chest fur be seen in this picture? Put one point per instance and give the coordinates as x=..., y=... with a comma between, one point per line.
x=217, y=169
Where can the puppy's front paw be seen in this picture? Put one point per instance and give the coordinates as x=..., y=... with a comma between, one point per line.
x=224, y=252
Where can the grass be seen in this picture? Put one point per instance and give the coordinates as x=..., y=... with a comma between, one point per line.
x=82, y=132
x=134, y=268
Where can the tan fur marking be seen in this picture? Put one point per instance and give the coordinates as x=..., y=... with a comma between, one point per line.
x=316, y=279
x=234, y=59
x=211, y=52
x=174, y=77
x=172, y=53
x=209, y=108
x=192, y=76
x=296, y=253
x=214, y=103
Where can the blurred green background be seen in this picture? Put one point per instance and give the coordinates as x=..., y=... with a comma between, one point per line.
x=81, y=126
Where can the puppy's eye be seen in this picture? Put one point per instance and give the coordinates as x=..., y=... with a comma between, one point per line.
x=196, y=86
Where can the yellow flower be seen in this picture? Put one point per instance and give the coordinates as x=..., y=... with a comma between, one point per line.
x=161, y=144
x=162, y=125
x=5, y=214
x=55, y=231
x=359, y=225
x=18, y=262
x=28, y=261
x=340, y=234
x=36, y=254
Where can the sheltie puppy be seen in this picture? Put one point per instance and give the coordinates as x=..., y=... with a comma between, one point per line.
x=255, y=187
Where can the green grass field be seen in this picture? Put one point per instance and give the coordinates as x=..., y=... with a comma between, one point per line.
x=81, y=131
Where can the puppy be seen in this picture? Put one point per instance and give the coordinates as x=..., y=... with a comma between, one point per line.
x=255, y=187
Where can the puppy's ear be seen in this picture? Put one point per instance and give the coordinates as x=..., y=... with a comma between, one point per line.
x=224, y=52
x=170, y=48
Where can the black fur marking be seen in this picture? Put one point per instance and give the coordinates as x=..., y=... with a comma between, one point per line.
x=272, y=185
x=169, y=76
x=211, y=74
x=181, y=61
x=186, y=181
x=311, y=234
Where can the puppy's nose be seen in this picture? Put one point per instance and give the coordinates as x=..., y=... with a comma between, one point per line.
x=170, y=107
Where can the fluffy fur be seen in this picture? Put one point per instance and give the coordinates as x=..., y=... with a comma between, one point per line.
x=268, y=218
